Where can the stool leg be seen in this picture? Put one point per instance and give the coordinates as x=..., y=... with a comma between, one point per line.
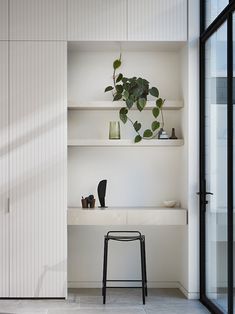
x=142, y=270
x=105, y=269
x=145, y=269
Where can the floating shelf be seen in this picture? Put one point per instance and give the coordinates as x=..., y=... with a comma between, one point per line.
x=115, y=105
x=124, y=143
x=128, y=216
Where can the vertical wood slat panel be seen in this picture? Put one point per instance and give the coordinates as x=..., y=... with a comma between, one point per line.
x=157, y=20
x=97, y=20
x=3, y=19
x=38, y=19
x=38, y=183
x=4, y=216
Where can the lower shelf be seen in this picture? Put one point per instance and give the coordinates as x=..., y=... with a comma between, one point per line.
x=128, y=216
x=146, y=143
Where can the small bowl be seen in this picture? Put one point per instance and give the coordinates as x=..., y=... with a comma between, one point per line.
x=170, y=204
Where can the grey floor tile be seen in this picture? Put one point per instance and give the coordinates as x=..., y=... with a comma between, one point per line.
x=119, y=301
x=99, y=311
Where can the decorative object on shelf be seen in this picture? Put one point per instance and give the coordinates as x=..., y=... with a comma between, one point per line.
x=84, y=202
x=134, y=91
x=88, y=202
x=173, y=136
x=114, y=130
x=102, y=192
x=162, y=135
x=170, y=204
x=159, y=133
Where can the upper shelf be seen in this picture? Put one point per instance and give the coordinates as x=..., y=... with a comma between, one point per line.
x=107, y=105
x=123, y=143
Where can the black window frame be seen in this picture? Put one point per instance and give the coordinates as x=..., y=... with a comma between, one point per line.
x=205, y=34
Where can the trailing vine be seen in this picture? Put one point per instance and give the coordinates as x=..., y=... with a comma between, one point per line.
x=134, y=91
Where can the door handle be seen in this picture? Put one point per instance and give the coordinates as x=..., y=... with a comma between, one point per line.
x=205, y=193
x=209, y=193
x=204, y=201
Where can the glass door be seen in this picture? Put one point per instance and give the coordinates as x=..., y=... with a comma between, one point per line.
x=216, y=155
x=216, y=167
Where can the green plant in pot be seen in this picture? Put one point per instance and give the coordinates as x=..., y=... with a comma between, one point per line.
x=134, y=92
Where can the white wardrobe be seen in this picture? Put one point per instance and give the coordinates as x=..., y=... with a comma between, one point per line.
x=33, y=154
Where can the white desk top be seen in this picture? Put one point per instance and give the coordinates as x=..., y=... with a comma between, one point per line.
x=156, y=216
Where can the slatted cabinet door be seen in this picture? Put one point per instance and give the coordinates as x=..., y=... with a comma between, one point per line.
x=4, y=215
x=38, y=183
x=4, y=19
x=157, y=20
x=38, y=19
x=97, y=20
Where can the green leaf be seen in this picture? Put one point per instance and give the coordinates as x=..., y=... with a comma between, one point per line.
x=155, y=125
x=137, y=91
x=154, y=91
x=123, y=110
x=137, y=126
x=119, y=78
x=160, y=102
x=116, y=64
x=126, y=94
x=108, y=89
x=123, y=117
x=148, y=133
x=119, y=89
x=138, y=138
x=117, y=97
x=129, y=103
x=155, y=112
x=141, y=103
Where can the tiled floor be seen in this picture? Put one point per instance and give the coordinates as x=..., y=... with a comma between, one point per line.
x=119, y=301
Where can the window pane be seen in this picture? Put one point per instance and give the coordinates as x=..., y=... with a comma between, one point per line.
x=213, y=8
x=216, y=167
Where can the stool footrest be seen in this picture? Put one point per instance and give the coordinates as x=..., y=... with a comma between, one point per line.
x=129, y=287
x=124, y=280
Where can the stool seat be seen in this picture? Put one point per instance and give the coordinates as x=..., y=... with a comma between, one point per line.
x=125, y=236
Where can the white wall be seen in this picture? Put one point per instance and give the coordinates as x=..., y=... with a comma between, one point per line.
x=193, y=149
x=184, y=167
x=91, y=71
x=163, y=249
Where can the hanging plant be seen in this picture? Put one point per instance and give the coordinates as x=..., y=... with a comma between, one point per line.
x=134, y=91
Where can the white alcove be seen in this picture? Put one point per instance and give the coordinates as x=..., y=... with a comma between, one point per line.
x=140, y=176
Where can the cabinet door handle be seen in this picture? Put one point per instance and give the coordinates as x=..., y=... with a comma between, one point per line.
x=8, y=205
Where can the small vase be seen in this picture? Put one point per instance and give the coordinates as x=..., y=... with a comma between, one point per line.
x=162, y=135
x=173, y=136
x=114, y=130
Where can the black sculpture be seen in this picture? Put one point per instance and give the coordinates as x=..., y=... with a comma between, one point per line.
x=102, y=192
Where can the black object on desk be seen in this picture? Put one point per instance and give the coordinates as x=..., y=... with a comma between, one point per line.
x=102, y=192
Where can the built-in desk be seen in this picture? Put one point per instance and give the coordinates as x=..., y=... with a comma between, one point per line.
x=128, y=216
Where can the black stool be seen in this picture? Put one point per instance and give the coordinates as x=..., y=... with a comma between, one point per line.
x=122, y=236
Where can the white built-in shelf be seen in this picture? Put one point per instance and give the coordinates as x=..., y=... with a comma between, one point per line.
x=112, y=105
x=123, y=143
x=155, y=216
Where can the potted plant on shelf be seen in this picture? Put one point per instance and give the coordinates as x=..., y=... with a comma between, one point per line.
x=134, y=92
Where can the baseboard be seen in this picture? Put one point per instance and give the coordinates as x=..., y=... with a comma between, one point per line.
x=97, y=284
x=151, y=284
x=188, y=295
